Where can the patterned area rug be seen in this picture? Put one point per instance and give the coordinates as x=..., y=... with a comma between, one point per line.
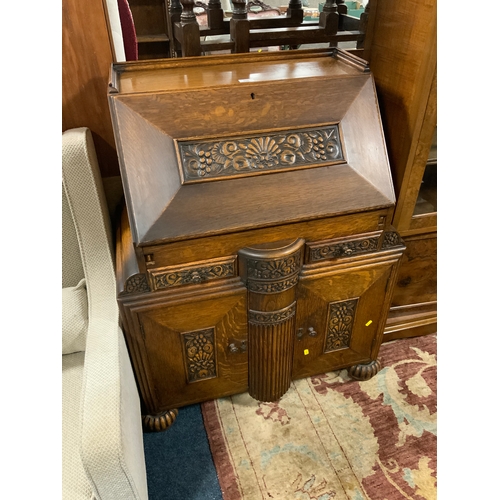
x=330, y=437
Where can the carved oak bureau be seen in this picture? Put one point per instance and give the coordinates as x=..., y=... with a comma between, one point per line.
x=255, y=247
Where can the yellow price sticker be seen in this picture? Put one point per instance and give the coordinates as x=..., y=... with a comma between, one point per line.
x=369, y=323
x=306, y=352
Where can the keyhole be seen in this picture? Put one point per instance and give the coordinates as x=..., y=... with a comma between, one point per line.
x=252, y=95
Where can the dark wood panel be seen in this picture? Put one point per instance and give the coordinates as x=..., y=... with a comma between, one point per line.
x=417, y=278
x=411, y=321
x=149, y=17
x=86, y=61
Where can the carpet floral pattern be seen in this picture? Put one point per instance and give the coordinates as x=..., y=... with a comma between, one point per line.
x=330, y=437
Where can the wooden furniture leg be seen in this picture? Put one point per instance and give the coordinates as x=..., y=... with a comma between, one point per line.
x=365, y=371
x=160, y=422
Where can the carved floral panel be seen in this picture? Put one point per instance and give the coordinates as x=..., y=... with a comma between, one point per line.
x=260, y=153
x=199, y=354
x=340, y=324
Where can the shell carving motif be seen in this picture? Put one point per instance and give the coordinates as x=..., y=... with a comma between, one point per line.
x=215, y=159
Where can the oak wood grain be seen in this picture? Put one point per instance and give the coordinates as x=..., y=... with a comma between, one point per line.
x=86, y=59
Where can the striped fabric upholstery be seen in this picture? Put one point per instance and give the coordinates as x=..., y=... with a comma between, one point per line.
x=106, y=430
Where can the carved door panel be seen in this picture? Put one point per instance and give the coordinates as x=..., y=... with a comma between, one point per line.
x=340, y=315
x=196, y=349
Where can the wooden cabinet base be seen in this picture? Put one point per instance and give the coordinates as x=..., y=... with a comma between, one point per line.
x=283, y=311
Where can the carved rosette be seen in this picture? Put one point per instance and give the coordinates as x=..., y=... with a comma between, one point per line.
x=340, y=324
x=138, y=283
x=392, y=239
x=366, y=371
x=199, y=354
x=168, y=277
x=161, y=422
x=273, y=276
x=260, y=153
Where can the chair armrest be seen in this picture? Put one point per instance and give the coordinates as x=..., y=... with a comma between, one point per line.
x=112, y=445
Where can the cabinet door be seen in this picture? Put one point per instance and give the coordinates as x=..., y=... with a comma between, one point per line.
x=195, y=350
x=340, y=317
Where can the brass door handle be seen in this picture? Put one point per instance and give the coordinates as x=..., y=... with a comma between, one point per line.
x=311, y=331
x=236, y=346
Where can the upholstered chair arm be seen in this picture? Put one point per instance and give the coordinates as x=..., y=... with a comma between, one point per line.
x=112, y=445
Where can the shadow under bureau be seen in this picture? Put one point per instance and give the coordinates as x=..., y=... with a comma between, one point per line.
x=255, y=247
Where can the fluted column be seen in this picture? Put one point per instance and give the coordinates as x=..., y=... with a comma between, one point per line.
x=271, y=275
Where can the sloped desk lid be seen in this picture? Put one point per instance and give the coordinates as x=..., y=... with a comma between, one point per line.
x=219, y=144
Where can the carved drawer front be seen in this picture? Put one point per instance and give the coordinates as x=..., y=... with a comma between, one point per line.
x=195, y=350
x=339, y=313
x=338, y=248
x=164, y=278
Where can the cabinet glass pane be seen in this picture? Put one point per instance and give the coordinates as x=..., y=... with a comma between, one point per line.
x=427, y=196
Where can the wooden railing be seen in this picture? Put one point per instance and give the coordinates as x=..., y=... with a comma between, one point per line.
x=247, y=32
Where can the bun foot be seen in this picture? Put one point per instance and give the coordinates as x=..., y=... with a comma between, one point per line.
x=160, y=422
x=365, y=372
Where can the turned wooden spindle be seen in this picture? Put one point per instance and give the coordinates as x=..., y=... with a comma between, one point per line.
x=215, y=15
x=363, y=23
x=341, y=7
x=342, y=10
x=330, y=6
x=187, y=32
x=294, y=4
x=271, y=274
x=175, y=11
x=295, y=10
x=240, y=9
x=329, y=18
x=187, y=16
